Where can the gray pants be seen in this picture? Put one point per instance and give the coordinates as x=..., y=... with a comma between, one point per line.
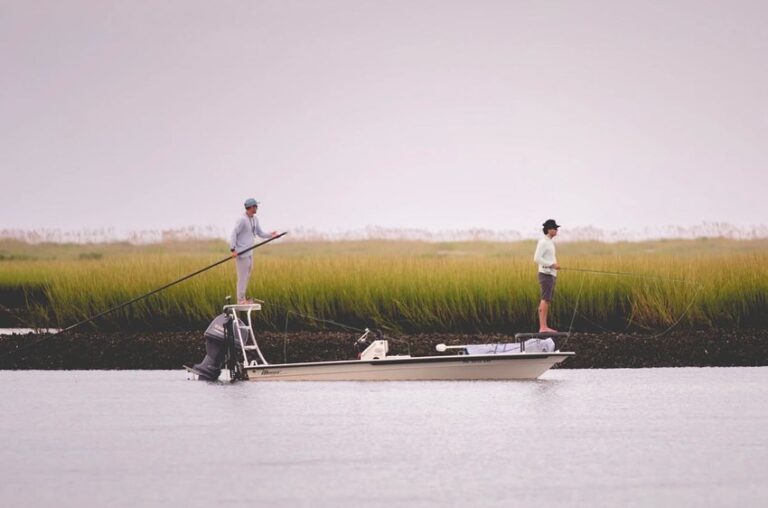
x=547, y=283
x=244, y=268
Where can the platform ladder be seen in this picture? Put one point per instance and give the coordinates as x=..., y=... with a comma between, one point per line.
x=244, y=332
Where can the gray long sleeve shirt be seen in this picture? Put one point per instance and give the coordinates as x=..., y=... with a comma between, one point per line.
x=244, y=234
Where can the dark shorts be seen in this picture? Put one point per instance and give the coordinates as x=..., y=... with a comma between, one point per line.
x=547, y=283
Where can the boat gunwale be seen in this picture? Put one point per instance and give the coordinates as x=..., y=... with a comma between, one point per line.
x=419, y=359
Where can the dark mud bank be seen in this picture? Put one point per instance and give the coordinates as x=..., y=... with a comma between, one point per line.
x=169, y=350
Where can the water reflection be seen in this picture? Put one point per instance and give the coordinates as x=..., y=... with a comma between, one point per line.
x=621, y=437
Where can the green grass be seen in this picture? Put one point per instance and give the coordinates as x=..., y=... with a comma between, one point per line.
x=413, y=286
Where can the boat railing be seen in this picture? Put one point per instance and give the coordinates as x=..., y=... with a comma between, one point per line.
x=244, y=334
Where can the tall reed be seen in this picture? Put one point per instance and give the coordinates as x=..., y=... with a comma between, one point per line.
x=404, y=292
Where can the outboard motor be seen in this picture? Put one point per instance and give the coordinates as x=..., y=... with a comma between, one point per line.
x=216, y=336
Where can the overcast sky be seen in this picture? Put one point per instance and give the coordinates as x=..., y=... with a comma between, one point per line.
x=337, y=115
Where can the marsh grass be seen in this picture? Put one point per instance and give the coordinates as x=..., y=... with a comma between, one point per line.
x=403, y=286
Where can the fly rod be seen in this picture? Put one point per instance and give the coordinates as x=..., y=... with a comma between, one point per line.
x=626, y=274
x=155, y=291
x=695, y=285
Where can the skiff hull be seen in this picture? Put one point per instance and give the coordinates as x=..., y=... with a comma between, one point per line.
x=427, y=368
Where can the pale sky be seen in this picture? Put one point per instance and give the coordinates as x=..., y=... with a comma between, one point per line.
x=338, y=115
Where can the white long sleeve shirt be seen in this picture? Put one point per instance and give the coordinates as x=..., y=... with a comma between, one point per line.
x=545, y=256
x=244, y=234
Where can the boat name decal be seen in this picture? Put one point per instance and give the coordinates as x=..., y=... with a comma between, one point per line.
x=267, y=372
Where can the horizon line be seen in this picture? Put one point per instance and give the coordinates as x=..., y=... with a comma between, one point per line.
x=372, y=233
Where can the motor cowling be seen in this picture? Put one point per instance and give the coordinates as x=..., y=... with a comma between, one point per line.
x=215, y=347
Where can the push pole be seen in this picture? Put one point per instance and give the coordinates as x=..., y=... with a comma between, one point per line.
x=155, y=291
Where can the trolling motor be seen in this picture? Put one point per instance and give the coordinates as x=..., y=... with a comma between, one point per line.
x=362, y=343
x=368, y=349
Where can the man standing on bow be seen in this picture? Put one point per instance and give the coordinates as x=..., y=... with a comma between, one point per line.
x=548, y=267
x=243, y=236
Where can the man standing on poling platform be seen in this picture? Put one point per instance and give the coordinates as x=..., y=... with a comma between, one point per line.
x=243, y=236
x=548, y=267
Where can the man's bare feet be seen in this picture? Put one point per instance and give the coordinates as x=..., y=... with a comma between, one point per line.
x=246, y=301
x=547, y=330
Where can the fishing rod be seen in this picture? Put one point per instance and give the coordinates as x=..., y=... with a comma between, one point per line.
x=695, y=284
x=314, y=318
x=15, y=316
x=626, y=274
x=155, y=291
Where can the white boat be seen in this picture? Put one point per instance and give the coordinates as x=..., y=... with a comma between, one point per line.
x=523, y=360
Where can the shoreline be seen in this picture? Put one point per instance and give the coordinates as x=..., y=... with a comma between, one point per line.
x=170, y=350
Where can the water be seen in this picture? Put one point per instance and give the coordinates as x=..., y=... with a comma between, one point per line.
x=651, y=437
